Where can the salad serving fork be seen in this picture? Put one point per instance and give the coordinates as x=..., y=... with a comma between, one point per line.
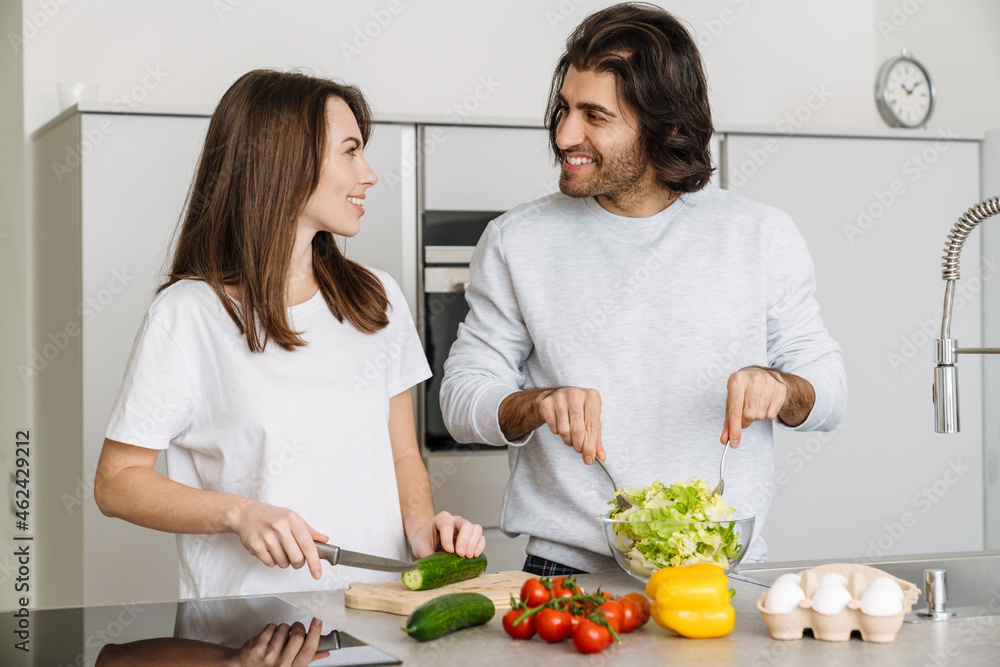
x=623, y=503
x=720, y=487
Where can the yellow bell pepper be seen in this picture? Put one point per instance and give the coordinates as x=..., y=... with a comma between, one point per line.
x=692, y=600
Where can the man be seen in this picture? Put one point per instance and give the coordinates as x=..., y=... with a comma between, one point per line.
x=611, y=312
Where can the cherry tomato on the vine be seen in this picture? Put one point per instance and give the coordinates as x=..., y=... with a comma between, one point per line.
x=589, y=637
x=642, y=602
x=613, y=614
x=560, y=592
x=534, y=594
x=631, y=614
x=567, y=583
x=523, y=630
x=553, y=625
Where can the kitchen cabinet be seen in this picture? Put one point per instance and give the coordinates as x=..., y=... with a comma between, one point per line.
x=109, y=193
x=875, y=213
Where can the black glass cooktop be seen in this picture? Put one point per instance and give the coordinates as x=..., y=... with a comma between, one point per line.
x=201, y=632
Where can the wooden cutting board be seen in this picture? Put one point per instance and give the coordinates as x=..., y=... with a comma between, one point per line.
x=395, y=598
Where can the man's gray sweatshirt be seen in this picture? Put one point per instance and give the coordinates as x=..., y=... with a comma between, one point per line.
x=655, y=313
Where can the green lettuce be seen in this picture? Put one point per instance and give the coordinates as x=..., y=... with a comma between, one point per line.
x=673, y=539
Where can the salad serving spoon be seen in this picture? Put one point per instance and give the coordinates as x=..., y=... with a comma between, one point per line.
x=623, y=503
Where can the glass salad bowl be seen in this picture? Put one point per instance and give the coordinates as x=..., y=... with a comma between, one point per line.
x=643, y=547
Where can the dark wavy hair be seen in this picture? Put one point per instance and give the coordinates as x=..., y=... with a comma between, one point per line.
x=261, y=162
x=659, y=76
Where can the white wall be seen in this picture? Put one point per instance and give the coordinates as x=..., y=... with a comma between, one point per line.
x=762, y=56
x=764, y=59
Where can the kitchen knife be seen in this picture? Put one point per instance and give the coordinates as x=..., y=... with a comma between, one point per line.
x=337, y=556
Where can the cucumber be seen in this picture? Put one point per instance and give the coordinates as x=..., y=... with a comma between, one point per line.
x=449, y=613
x=443, y=568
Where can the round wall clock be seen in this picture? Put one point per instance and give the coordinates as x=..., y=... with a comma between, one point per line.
x=904, y=93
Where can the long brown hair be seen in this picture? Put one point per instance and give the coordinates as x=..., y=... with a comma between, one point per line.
x=659, y=75
x=260, y=164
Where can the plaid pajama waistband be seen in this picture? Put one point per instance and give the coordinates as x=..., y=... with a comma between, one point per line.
x=542, y=567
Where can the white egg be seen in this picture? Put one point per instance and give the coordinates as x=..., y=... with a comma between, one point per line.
x=830, y=600
x=794, y=578
x=832, y=578
x=881, y=601
x=783, y=597
x=888, y=584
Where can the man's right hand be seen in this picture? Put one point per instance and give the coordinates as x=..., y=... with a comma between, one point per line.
x=572, y=413
x=278, y=536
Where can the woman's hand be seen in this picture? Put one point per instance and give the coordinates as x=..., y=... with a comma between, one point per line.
x=450, y=533
x=278, y=536
x=283, y=645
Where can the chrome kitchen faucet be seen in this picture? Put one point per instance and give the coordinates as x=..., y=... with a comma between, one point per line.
x=947, y=349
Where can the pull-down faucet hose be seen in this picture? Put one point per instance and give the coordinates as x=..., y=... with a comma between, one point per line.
x=953, y=248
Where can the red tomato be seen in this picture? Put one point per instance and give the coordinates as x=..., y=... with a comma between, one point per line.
x=613, y=614
x=643, y=603
x=553, y=625
x=589, y=637
x=573, y=587
x=523, y=630
x=631, y=615
x=534, y=594
x=560, y=592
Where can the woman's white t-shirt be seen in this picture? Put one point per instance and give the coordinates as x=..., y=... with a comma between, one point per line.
x=306, y=429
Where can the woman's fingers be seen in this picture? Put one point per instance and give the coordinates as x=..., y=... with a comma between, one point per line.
x=444, y=524
x=308, y=651
x=304, y=536
x=467, y=538
x=296, y=638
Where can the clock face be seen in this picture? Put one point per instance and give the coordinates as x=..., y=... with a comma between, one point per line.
x=907, y=93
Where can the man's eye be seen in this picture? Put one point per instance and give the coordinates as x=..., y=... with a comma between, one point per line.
x=594, y=117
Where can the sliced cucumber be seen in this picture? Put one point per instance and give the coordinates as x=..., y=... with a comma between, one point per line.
x=443, y=568
x=449, y=613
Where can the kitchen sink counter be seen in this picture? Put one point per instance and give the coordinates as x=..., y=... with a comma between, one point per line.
x=962, y=641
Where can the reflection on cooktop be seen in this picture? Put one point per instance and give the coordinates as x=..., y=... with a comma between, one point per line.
x=248, y=631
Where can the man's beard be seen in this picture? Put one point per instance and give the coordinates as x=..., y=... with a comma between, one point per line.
x=618, y=175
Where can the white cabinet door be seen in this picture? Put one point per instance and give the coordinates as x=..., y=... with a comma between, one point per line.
x=133, y=189
x=875, y=214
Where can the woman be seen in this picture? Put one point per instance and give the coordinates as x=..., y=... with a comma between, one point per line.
x=252, y=367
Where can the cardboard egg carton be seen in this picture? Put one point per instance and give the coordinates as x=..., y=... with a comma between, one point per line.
x=838, y=627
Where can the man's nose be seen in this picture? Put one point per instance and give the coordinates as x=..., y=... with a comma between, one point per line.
x=569, y=132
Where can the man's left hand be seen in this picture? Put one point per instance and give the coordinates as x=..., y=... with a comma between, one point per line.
x=755, y=393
